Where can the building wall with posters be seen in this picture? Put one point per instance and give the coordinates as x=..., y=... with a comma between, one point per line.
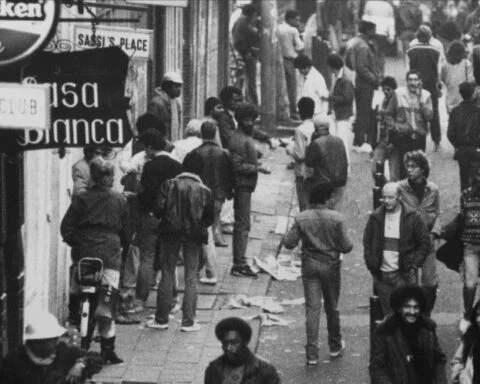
x=195, y=35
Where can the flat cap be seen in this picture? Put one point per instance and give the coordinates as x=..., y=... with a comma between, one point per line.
x=173, y=77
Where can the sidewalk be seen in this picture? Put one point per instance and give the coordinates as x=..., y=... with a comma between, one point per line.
x=171, y=356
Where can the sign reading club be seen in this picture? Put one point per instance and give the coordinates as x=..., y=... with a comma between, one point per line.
x=25, y=27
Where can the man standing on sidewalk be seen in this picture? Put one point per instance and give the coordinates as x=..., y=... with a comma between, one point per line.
x=184, y=206
x=421, y=195
x=238, y=364
x=324, y=237
x=395, y=244
x=298, y=147
x=290, y=44
x=245, y=171
x=246, y=40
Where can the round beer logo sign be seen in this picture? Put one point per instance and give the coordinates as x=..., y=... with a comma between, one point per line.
x=25, y=27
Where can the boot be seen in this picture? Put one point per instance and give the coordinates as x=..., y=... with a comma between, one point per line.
x=431, y=296
x=468, y=300
x=74, y=309
x=108, y=351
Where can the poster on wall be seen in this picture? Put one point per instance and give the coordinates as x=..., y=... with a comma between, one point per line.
x=88, y=104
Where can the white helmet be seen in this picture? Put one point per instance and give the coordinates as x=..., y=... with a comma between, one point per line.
x=41, y=324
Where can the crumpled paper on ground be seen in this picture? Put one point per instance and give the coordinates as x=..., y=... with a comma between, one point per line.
x=277, y=271
x=269, y=320
x=267, y=303
x=299, y=301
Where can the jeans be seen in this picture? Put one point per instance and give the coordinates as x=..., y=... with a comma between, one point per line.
x=208, y=257
x=147, y=242
x=291, y=80
x=471, y=263
x=216, y=228
x=384, y=152
x=251, y=79
x=241, y=206
x=390, y=281
x=435, y=131
x=130, y=270
x=364, y=122
x=343, y=130
x=302, y=194
x=466, y=171
x=429, y=269
x=321, y=278
x=191, y=255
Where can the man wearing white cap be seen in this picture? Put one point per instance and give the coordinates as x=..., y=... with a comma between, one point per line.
x=166, y=105
x=44, y=358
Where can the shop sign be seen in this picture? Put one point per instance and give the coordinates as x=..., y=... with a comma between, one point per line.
x=161, y=3
x=135, y=43
x=25, y=27
x=24, y=106
x=88, y=106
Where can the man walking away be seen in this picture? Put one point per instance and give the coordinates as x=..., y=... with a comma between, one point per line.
x=324, y=237
x=290, y=45
x=301, y=140
x=405, y=347
x=395, y=244
x=184, y=206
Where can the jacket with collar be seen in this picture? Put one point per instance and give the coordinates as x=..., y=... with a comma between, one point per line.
x=390, y=355
x=161, y=107
x=257, y=371
x=414, y=242
x=342, y=97
x=362, y=58
x=184, y=206
x=244, y=160
x=428, y=208
x=216, y=169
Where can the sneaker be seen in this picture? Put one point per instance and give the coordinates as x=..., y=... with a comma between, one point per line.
x=340, y=351
x=366, y=148
x=243, y=271
x=208, y=280
x=195, y=327
x=176, y=308
x=312, y=362
x=155, y=325
x=137, y=308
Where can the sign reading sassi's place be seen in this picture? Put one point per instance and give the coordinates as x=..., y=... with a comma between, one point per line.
x=25, y=27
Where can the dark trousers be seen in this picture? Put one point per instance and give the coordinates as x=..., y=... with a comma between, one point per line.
x=435, y=122
x=291, y=80
x=191, y=256
x=251, y=79
x=241, y=207
x=363, y=125
x=302, y=193
x=321, y=279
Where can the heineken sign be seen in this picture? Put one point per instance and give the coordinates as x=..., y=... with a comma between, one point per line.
x=25, y=27
x=87, y=103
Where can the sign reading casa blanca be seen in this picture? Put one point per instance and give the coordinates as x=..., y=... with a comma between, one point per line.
x=87, y=99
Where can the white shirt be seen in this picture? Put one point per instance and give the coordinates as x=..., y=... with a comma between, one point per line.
x=298, y=147
x=381, y=13
x=290, y=42
x=392, y=231
x=183, y=147
x=313, y=85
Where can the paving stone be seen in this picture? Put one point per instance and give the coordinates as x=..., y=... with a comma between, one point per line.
x=143, y=373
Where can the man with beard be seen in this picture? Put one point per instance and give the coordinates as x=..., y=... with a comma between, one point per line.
x=245, y=173
x=405, y=347
x=421, y=195
x=238, y=364
x=396, y=243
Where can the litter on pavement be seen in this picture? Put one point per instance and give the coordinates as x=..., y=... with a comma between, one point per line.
x=277, y=271
x=269, y=320
x=267, y=303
